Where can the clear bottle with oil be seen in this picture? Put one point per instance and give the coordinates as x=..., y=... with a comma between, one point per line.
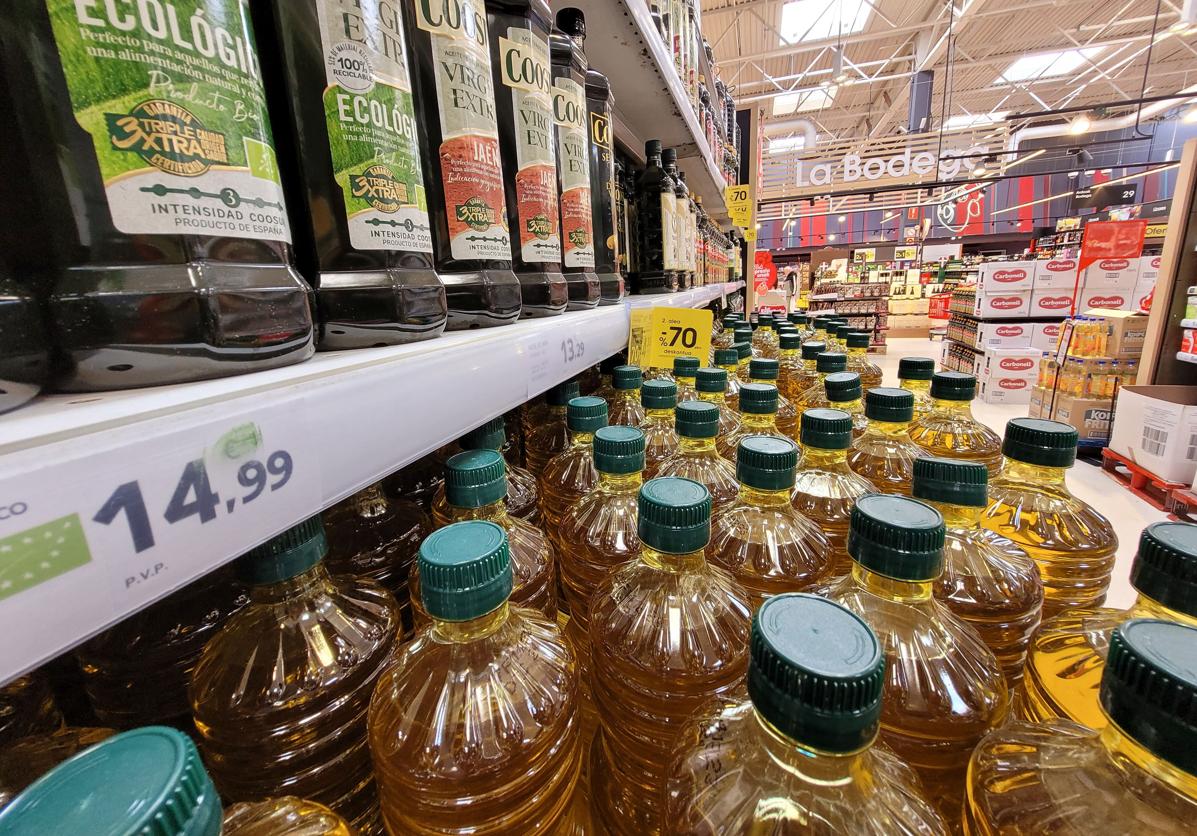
x=606, y=389
x=987, y=580
x=27, y=707
x=815, y=395
x=728, y=359
x=28, y=758
x=758, y=414
x=914, y=375
x=548, y=434
x=280, y=693
x=659, y=398
x=884, y=454
x=764, y=338
x=476, y=489
x=768, y=546
x=523, y=494
x=474, y=727
x=950, y=430
x=1138, y=774
x=712, y=384
x=625, y=408
x=766, y=370
x=842, y=390
x=668, y=633
x=790, y=371
x=1030, y=504
x=808, y=373
x=744, y=354
x=944, y=689
x=697, y=457
x=571, y=474
x=684, y=370
x=796, y=752
x=725, y=337
x=1068, y=655
x=857, y=343
x=287, y=816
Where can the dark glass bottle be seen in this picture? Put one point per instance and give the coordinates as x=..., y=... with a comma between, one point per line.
x=681, y=218
x=24, y=351
x=156, y=223
x=519, y=50
x=339, y=86
x=654, y=214
x=689, y=233
x=463, y=169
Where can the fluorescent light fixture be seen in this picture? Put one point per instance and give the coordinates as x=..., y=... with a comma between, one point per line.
x=788, y=103
x=980, y=170
x=785, y=144
x=1072, y=175
x=974, y=120
x=1190, y=116
x=816, y=20
x=1048, y=64
x=1080, y=124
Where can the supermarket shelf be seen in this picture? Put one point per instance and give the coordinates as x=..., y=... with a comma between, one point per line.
x=1188, y=323
x=111, y=501
x=1186, y=357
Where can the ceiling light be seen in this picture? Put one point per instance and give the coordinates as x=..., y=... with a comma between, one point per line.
x=1072, y=175
x=979, y=171
x=842, y=218
x=1080, y=124
x=758, y=226
x=1048, y=64
x=831, y=236
x=1088, y=172
x=1190, y=116
x=815, y=20
x=785, y=144
x=1106, y=170
x=975, y=120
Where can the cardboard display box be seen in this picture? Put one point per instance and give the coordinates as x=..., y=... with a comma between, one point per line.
x=1051, y=302
x=1045, y=336
x=1004, y=277
x=1004, y=334
x=1039, y=398
x=1114, y=274
x=1156, y=427
x=1110, y=298
x=1014, y=305
x=1011, y=362
x=1002, y=389
x=1090, y=416
x=1128, y=332
x=1056, y=274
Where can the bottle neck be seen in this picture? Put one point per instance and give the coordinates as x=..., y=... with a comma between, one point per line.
x=475, y=628
x=557, y=412
x=1039, y=474
x=713, y=397
x=1128, y=754
x=731, y=370
x=807, y=763
x=689, y=444
x=958, y=516
x=371, y=503
x=621, y=482
x=789, y=355
x=766, y=422
x=679, y=563
x=764, y=498
x=495, y=512
x=655, y=414
x=921, y=387
x=1145, y=607
x=628, y=394
x=861, y=353
x=810, y=366
x=578, y=438
x=685, y=381
x=768, y=381
x=892, y=429
x=905, y=592
x=302, y=585
x=958, y=409
x=846, y=406
x=822, y=457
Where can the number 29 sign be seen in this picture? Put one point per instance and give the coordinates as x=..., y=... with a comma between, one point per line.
x=660, y=335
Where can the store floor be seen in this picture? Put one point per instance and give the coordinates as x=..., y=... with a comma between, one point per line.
x=1127, y=512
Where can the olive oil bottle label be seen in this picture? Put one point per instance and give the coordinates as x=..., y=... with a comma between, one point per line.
x=171, y=93
x=471, y=169
x=605, y=231
x=372, y=125
x=526, y=72
x=573, y=148
x=668, y=231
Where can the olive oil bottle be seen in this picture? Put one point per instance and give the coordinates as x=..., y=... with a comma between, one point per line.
x=654, y=215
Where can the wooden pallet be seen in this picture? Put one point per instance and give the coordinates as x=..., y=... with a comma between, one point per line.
x=1140, y=481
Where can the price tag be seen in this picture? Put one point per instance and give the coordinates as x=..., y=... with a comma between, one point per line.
x=906, y=253
x=740, y=205
x=659, y=335
x=750, y=232
x=554, y=354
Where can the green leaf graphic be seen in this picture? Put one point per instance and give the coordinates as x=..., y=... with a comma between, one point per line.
x=38, y=554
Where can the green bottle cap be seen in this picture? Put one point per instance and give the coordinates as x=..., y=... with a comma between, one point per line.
x=954, y=481
x=762, y=368
x=790, y=340
x=826, y=429
x=885, y=404
x=730, y=323
x=916, y=368
x=1165, y=567
x=626, y=377
x=619, y=449
x=842, y=387
x=758, y=398
x=797, y=318
x=697, y=419
x=285, y=555
x=819, y=323
x=897, y=537
x=685, y=366
x=779, y=324
x=726, y=356
x=743, y=350
x=145, y=782
x=816, y=672
x=475, y=478
x=1038, y=441
x=743, y=335
x=840, y=329
x=828, y=362
x=953, y=386
x=766, y=462
x=659, y=394
x=858, y=339
x=586, y=414
x=711, y=379
x=764, y=316
x=675, y=515
x=490, y=436
x=563, y=393
x=465, y=570
x=1149, y=688
x=811, y=350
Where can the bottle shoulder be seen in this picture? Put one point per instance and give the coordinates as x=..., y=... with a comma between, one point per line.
x=285, y=816
x=1052, y=512
x=600, y=517
x=981, y=566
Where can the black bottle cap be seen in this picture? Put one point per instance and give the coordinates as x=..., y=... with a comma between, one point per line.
x=831, y=361
x=885, y=404
x=1165, y=567
x=842, y=386
x=1038, y=441
x=953, y=386
x=652, y=148
x=916, y=368
x=758, y=398
x=811, y=350
x=572, y=22
x=826, y=429
x=897, y=537
x=952, y=481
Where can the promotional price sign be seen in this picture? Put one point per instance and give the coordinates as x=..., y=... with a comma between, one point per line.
x=866, y=256
x=740, y=205
x=659, y=335
x=906, y=253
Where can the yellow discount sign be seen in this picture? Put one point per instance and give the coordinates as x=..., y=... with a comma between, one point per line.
x=660, y=335
x=739, y=205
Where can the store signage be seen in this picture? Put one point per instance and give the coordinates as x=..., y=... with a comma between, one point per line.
x=910, y=234
x=661, y=335
x=852, y=168
x=1016, y=364
x=1099, y=196
x=1156, y=231
x=1054, y=303
x=1010, y=331
x=865, y=256
x=1009, y=276
x=1006, y=303
x=750, y=232
x=739, y=205
x=906, y=253
x=1068, y=224
x=1113, y=302
x=1155, y=210
x=1059, y=265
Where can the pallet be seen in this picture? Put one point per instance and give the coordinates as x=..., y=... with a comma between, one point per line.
x=1140, y=481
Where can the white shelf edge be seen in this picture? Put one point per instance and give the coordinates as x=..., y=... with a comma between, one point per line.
x=1188, y=323
x=1186, y=357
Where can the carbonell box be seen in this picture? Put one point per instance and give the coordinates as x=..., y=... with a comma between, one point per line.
x=1113, y=274
x=1056, y=274
x=1111, y=298
x=1049, y=302
x=1004, y=334
x=1001, y=305
x=1003, y=277
x=1149, y=271
x=1045, y=336
x=1011, y=362
x=1010, y=390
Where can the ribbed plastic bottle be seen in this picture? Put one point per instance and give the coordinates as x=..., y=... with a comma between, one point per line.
x=624, y=407
x=764, y=338
x=659, y=398
x=808, y=374
x=1068, y=654
x=1030, y=503
x=987, y=580
x=950, y=430
x=796, y=754
x=766, y=370
x=758, y=413
x=815, y=395
x=684, y=371
x=571, y=473
x=884, y=454
x=697, y=457
x=842, y=390
x=24, y=761
x=767, y=545
x=944, y=689
x=857, y=346
x=1137, y=775
x=724, y=338
x=790, y=372
x=546, y=433
x=712, y=384
x=668, y=633
x=286, y=816
x=280, y=693
x=474, y=728
x=523, y=494
x=606, y=389
x=914, y=374
x=728, y=360
x=476, y=489
x=27, y=707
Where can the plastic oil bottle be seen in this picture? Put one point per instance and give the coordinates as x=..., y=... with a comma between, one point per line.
x=684, y=370
x=815, y=395
x=914, y=375
x=1136, y=775
x=764, y=338
x=797, y=748
x=744, y=355
x=697, y=457
x=728, y=359
x=476, y=489
x=625, y=408
x=758, y=414
x=885, y=455
x=546, y=433
x=712, y=384
x=571, y=473
x=767, y=545
x=26, y=760
x=280, y=693
x=790, y=372
x=841, y=390
x=857, y=344
x=606, y=390
x=766, y=370
x=950, y=430
x=825, y=488
x=1030, y=504
x=808, y=374
x=944, y=689
x=724, y=338
x=1068, y=654
x=668, y=632
x=987, y=580
x=523, y=494
x=474, y=728
x=27, y=708
x=659, y=398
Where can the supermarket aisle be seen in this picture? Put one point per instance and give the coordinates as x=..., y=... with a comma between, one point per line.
x=1127, y=512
